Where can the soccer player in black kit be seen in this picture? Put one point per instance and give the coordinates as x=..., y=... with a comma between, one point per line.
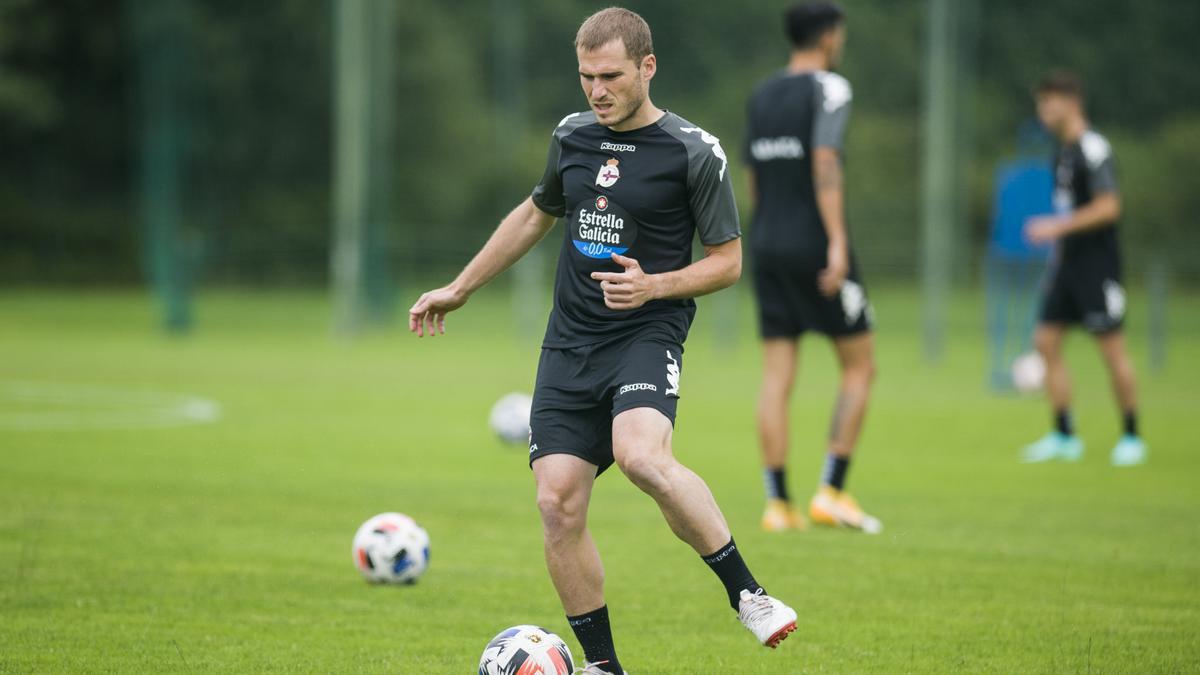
x=1083, y=286
x=635, y=184
x=805, y=276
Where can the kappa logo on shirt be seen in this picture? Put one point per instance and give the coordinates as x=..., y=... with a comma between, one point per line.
x=782, y=147
x=716, y=147
x=609, y=174
x=618, y=147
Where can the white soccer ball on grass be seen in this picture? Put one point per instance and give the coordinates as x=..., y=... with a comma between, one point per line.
x=391, y=548
x=526, y=649
x=1029, y=372
x=509, y=418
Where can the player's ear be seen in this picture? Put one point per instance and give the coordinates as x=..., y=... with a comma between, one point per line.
x=649, y=66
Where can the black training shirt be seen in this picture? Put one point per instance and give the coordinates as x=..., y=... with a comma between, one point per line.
x=1082, y=171
x=788, y=115
x=643, y=194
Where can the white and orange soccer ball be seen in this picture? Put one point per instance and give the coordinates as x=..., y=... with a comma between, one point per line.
x=526, y=650
x=391, y=548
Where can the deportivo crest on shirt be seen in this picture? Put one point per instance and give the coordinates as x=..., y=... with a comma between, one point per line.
x=609, y=173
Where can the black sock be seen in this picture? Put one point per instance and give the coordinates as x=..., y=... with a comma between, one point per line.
x=1062, y=422
x=729, y=567
x=834, y=474
x=1130, y=423
x=776, y=484
x=595, y=636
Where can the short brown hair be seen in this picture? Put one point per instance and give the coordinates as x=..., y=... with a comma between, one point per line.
x=1062, y=82
x=616, y=23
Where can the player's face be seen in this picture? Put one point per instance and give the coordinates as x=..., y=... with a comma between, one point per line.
x=1054, y=110
x=835, y=43
x=615, y=85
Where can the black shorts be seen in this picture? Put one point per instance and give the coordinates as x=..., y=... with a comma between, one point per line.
x=1090, y=296
x=790, y=302
x=580, y=390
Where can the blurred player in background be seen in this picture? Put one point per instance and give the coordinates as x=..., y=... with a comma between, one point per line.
x=635, y=184
x=805, y=276
x=1084, y=281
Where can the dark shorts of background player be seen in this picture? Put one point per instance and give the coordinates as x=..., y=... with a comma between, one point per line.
x=1080, y=295
x=790, y=303
x=580, y=390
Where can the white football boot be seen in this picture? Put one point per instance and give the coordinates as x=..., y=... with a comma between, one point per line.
x=594, y=669
x=769, y=619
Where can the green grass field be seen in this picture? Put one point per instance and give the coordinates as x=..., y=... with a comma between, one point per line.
x=225, y=546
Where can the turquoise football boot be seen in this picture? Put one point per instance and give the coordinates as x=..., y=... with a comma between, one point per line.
x=1129, y=451
x=1053, y=446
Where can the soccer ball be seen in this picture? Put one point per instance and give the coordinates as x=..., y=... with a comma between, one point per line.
x=1028, y=372
x=510, y=418
x=526, y=650
x=391, y=548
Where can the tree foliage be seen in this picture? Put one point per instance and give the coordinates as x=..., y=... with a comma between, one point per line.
x=473, y=120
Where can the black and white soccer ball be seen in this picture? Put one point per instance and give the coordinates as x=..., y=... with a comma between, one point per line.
x=526, y=650
x=391, y=548
x=510, y=417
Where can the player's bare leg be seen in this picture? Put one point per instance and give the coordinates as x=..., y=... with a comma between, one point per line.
x=1130, y=449
x=1061, y=444
x=1048, y=340
x=564, y=488
x=780, y=358
x=1120, y=369
x=856, y=356
x=832, y=505
x=642, y=449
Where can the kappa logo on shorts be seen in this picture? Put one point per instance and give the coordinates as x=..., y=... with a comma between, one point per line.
x=1114, y=299
x=637, y=386
x=854, y=301
x=672, y=376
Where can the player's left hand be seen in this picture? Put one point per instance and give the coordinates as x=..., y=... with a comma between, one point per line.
x=626, y=290
x=1044, y=229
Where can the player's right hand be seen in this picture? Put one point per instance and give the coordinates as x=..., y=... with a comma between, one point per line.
x=428, y=315
x=837, y=266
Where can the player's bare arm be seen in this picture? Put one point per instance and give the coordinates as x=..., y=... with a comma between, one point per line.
x=828, y=181
x=516, y=234
x=1104, y=210
x=720, y=268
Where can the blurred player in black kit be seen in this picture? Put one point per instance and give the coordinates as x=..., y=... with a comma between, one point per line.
x=805, y=276
x=1083, y=286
